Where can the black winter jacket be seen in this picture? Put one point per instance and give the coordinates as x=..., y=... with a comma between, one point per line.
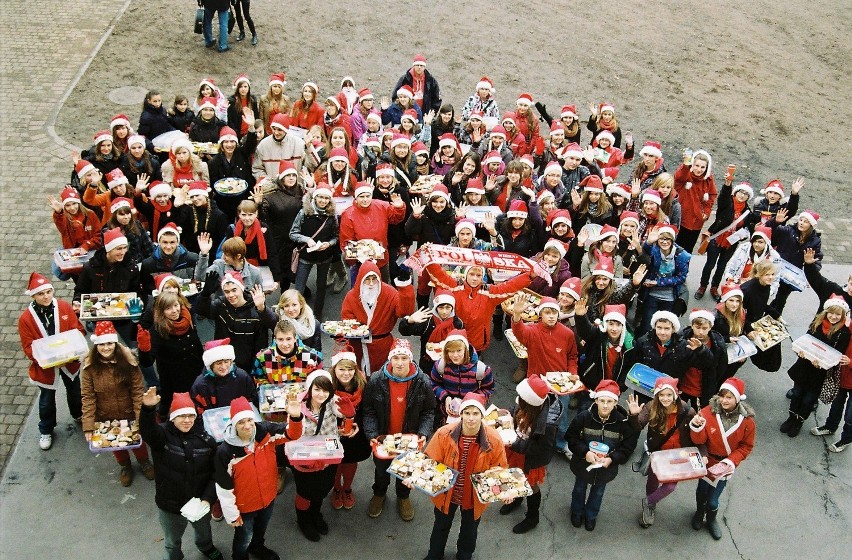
x=615, y=431
x=99, y=277
x=212, y=391
x=235, y=114
x=592, y=370
x=538, y=448
x=247, y=327
x=675, y=359
x=711, y=361
x=419, y=405
x=205, y=131
x=154, y=121
x=431, y=91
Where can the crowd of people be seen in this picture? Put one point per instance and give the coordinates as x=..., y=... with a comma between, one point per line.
x=609, y=243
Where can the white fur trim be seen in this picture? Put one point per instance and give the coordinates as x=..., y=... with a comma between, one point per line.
x=702, y=314
x=241, y=415
x=181, y=412
x=223, y=352
x=836, y=302
x=162, y=188
x=444, y=299
x=363, y=189
x=733, y=390
x=337, y=358
x=516, y=214
x=745, y=187
x=809, y=217
x=474, y=403
x=650, y=151
x=83, y=172
x=117, y=242
x=400, y=284
x=228, y=137
x=667, y=316
x=652, y=198
x=458, y=337
x=558, y=245
x=104, y=338
x=613, y=316
x=547, y=305
x=529, y=396
x=314, y=375
x=600, y=394
x=102, y=137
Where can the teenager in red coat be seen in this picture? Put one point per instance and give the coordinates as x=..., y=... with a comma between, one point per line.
x=696, y=191
x=378, y=305
x=47, y=316
x=475, y=304
x=550, y=344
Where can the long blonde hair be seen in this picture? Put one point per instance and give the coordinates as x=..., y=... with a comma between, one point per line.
x=735, y=319
x=816, y=325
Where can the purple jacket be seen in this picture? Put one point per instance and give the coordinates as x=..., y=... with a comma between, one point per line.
x=563, y=273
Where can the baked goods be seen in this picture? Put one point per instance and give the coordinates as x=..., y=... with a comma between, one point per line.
x=435, y=350
x=531, y=301
x=392, y=445
x=106, y=306
x=274, y=398
x=424, y=473
x=58, y=349
x=111, y=435
x=347, y=328
x=364, y=250
x=425, y=184
x=498, y=484
x=230, y=186
x=561, y=384
x=519, y=349
x=769, y=332
x=209, y=148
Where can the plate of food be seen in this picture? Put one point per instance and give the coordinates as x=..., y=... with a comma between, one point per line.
x=391, y=445
x=501, y=420
x=435, y=350
x=531, y=302
x=424, y=473
x=769, y=332
x=104, y=307
x=519, y=349
x=71, y=261
x=498, y=484
x=561, y=384
x=364, y=250
x=209, y=148
x=346, y=328
x=425, y=184
x=230, y=186
x=274, y=397
x=115, y=435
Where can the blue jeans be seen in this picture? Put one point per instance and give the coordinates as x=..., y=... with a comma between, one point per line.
x=652, y=305
x=47, y=403
x=208, y=27
x=564, y=421
x=706, y=491
x=441, y=532
x=587, y=507
x=302, y=273
x=252, y=532
x=174, y=525
x=835, y=413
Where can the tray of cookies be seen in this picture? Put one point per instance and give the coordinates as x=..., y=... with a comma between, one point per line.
x=115, y=435
x=531, y=302
x=364, y=250
x=498, y=484
x=274, y=397
x=424, y=473
x=230, y=186
x=425, y=184
x=519, y=349
x=110, y=306
x=346, y=328
x=561, y=384
x=769, y=332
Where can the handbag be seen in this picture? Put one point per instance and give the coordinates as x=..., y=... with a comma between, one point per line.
x=294, y=260
x=199, y=21
x=830, y=386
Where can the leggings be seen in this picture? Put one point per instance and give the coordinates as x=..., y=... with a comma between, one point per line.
x=243, y=7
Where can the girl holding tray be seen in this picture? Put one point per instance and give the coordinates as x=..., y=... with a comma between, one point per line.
x=349, y=380
x=729, y=321
x=667, y=418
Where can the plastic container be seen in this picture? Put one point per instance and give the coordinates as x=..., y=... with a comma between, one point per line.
x=742, y=348
x=266, y=280
x=641, y=379
x=598, y=448
x=816, y=350
x=71, y=261
x=674, y=465
x=792, y=275
x=308, y=450
x=59, y=349
x=215, y=420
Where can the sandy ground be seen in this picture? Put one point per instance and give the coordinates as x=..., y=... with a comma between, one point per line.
x=759, y=84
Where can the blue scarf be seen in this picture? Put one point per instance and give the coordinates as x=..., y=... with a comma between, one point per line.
x=386, y=369
x=209, y=372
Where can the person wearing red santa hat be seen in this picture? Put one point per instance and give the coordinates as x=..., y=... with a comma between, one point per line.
x=195, y=215
x=47, y=316
x=526, y=123
x=119, y=187
x=727, y=427
x=589, y=205
x=242, y=108
x=123, y=217
x=336, y=115
x=433, y=222
x=457, y=372
x=497, y=143
x=275, y=101
x=773, y=200
x=78, y=226
x=667, y=418
x=156, y=207
x=183, y=166
x=403, y=100
x=664, y=348
x=470, y=447
x=746, y=255
x=103, y=155
x=791, y=241
x=607, y=346
x=569, y=294
x=696, y=191
x=138, y=162
x=709, y=361
x=577, y=165
x=184, y=455
x=246, y=474
x=424, y=89
x=233, y=160
x=600, y=439
x=432, y=326
x=603, y=118
x=207, y=124
x=650, y=166
x=111, y=386
x=600, y=289
x=629, y=243
x=666, y=280
x=279, y=146
x=550, y=344
x=568, y=119
x=553, y=259
x=482, y=100
x=398, y=399
x=307, y=112
x=536, y=416
x=172, y=257
x=221, y=380
x=604, y=244
x=609, y=157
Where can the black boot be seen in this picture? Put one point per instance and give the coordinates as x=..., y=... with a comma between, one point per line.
x=713, y=525
x=319, y=520
x=241, y=36
x=497, y=331
x=796, y=426
x=788, y=423
x=304, y=519
x=698, y=516
x=506, y=509
x=531, y=520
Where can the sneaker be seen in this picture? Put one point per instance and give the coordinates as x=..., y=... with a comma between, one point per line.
x=699, y=293
x=224, y=49
x=376, y=505
x=565, y=452
x=646, y=519
x=821, y=431
x=148, y=470
x=241, y=36
x=254, y=39
x=714, y=291
x=406, y=509
x=45, y=441
x=336, y=499
x=348, y=499
x=216, y=512
x=838, y=446
x=126, y=475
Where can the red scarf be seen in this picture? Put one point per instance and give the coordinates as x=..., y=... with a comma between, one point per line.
x=159, y=210
x=611, y=126
x=442, y=328
x=656, y=168
x=244, y=102
x=355, y=398
x=826, y=326
x=253, y=232
x=183, y=323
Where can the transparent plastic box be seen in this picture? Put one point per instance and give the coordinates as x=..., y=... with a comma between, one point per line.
x=674, y=465
x=641, y=379
x=60, y=349
x=816, y=350
x=310, y=449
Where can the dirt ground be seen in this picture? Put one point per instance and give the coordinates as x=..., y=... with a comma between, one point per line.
x=760, y=84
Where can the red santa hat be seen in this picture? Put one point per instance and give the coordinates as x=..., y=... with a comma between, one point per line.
x=619, y=189
x=448, y=139
x=730, y=290
x=547, y=303
x=476, y=114
x=279, y=79
x=776, y=186
x=440, y=191
x=651, y=148
x=604, y=267
x=705, y=314
x=316, y=374
x=533, y=390
x=207, y=82
x=37, y=283
x=544, y=196
x=364, y=94
x=559, y=216
x=161, y=279
x=69, y=195
x=240, y=410
x=363, y=187
x=605, y=106
x=557, y=245
x=525, y=99
x=419, y=59
x=568, y=111
x=409, y=114
x=556, y=126
x=102, y=136
x=573, y=286
x=280, y=121
x=744, y=187
x=517, y=209
x=405, y=91
x=607, y=231
x=653, y=196
x=116, y=178
x=215, y=350
x=241, y=78
x=323, y=189
x=119, y=120
x=457, y=334
x=485, y=83
x=606, y=388
x=286, y=167
x=135, y=139
x=811, y=216
x=198, y=188
x=553, y=167
x=498, y=130
x=419, y=148
x=170, y=227
x=384, y=169
x=592, y=183
x=667, y=229
x=399, y=139
x=736, y=386
x=474, y=185
x=232, y=277
x=227, y=133
x=665, y=382
x=475, y=400
x=345, y=353
x=762, y=231
x=443, y=297
x=373, y=141
x=119, y=203
x=527, y=160
x=509, y=116
x=492, y=157
x=113, y=238
x=338, y=154
x=605, y=135
x=665, y=316
x=614, y=313
x=104, y=333
x=836, y=300
x=207, y=103
x=571, y=150
x=83, y=167
x=181, y=405
x=401, y=347
x=628, y=216
x=465, y=223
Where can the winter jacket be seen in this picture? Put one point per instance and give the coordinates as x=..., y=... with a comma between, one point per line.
x=786, y=242
x=424, y=331
x=105, y=395
x=804, y=373
x=181, y=263
x=235, y=114
x=596, y=346
x=823, y=287
x=622, y=294
x=419, y=405
x=677, y=280
x=548, y=348
x=674, y=361
x=763, y=211
x=249, y=273
x=270, y=153
x=205, y=131
x=190, y=217
x=475, y=103
x=239, y=166
x=756, y=303
x=445, y=448
x=212, y=391
x=99, y=277
x=83, y=231
x=725, y=213
x=312, y=116
x=319, y=225
x=449, y=380
x=696, y=196
x=710, y=363
x=279, y=209
x=729, y=437
x=615, y=432
x=184, y=461
x=431, y=93
x=154, y=121
x=742, y=257
x=557, y=278
x=252, y=256
x=178, y=359
x=393, y=114
x=178, y=120
x=524, y=243
x=139, y=244
x=271, y=366
x=431, y=227
x=247, y=327
x=656, y=440
x=538, y=446
x=30, y=328
x=200, y=173
x=132, y=169
x=370, y=223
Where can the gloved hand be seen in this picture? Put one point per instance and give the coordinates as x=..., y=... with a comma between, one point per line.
x=211, y=284
x=344, y=405
x=143, y=339
x=404, y=274
x=134, y=306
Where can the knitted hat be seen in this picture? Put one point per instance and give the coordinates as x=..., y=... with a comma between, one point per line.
x=533, y=390
x=457, y=334
x=572, y=287
x=527, y=160
x=119, y=120
x=215, y=350
x=628, y=216
x=736, y=386
x=170, y=227
x=286, y=167
x=419, y=148
x=364, y=94
x=409, y=114
x=232, y=277
x=652, y=148
x=116, y=178
x=614, y=313
x=744, y=187
x=113, y=238
x=667, y=229
x=465, y=223
x=399, y=139
x=69, y=195
x=558, y=217
x=323, y=189
x=776, y=186
x=281, y=121
x=405, y=91
x=836, y=300
x=665, y=316
x=135, y=139
x=37, y=283
x=619, y=189
x=730, y=290
x=517, y=209
x=498, y=130
x=604, y=267
x=316, y=374
x=571, y=150
x=607, y=231
x=227, y=133
x=363, y=187
x=811, y=216
x=419, y=59
x=240, y=410
x=119, y=203
x=665, y=382
x=592, y=183
x=525, y=99
x=207, y=103
x=83, y=167
x=545, y=195
x=102, y=136
x=161, y=279
x=474, y=185
x=401, y=347
x=761, y=230
x=279, y=78
x=547, y=303
x=568, y=111
x=485, y=83
x=705, y=314
x=181, y=405
x=198, y=188
x=345, y=353
x=443, y=297
x=104, y=333
x=440, y=191
x=606, y=388
x=475, y=400
x=553, y=167
x=492, y=157
x=508, y=116
x=605, y=135
x=558, y=245
x=653, y=196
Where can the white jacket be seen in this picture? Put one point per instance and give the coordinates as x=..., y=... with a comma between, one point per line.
x=734, y=270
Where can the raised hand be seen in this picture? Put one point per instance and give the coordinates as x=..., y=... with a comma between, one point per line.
x=419, y=316
x=693, y=344
x=635, y=188
x=142, y=182
x=810, y=256
x=429, y=117
x=258, y=297
x=633, y=405
x=640, y=273
x=55, y=203
x=489, y=222
x=781, y=215
x=205, y=243
x=396, y=200
x=581, y=307
x=528, y=192
x=797, y=185
x=257, y=194
x=490, y=183
x=385, y=102
x=150, y=398
x=417, y=207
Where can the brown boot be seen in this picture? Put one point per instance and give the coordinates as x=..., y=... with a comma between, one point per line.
x=282, y=480
x=147, y=469
x=521, y=371
x=126, y=475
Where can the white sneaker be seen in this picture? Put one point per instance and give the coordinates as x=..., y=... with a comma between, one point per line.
x=837, y=446
x=45, y=441
x=821, y=431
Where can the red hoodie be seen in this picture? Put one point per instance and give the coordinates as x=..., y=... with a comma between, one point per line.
x=370, y=223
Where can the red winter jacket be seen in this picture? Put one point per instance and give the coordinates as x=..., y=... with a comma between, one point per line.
x=369, y=223
x=306, y=119
x=31, y=328
x=732, y=447
x=548, y=349
x=692, y=199
x=82, y=230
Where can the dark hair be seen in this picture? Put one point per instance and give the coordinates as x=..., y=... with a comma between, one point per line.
x=526, y=415
x=151, y=93
x=323, y=383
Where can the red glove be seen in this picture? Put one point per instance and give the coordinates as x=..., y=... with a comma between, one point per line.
x=143, y=339
x=344, y=405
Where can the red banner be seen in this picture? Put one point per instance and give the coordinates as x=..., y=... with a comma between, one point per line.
x=458, y=256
